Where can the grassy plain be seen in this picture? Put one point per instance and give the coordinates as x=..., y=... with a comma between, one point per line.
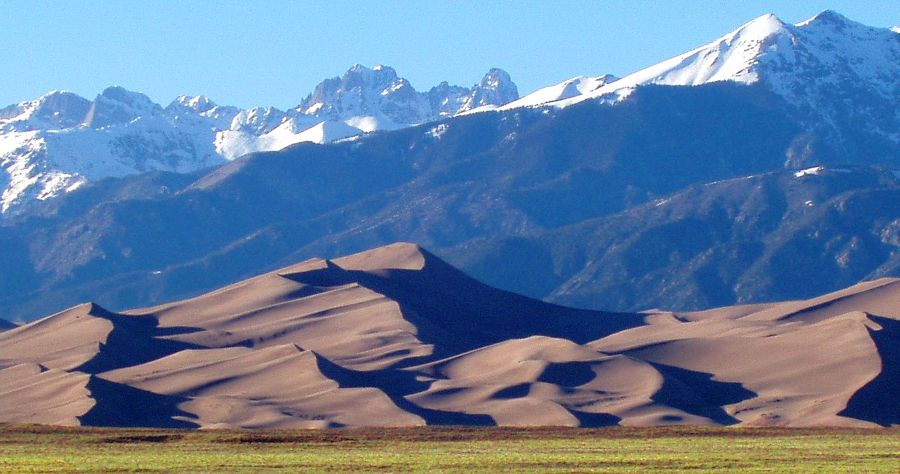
x=45, y=449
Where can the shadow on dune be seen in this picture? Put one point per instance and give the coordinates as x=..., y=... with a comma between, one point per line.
x=514, y=391
x=123, y=406
x=396, y=384
x=568, y=374
x=595, y=420
x=696, y=393
x=457, y=313
x=879, y=400
x=132, y=341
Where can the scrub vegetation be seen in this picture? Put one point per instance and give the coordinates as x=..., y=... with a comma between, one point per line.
x=450, y=449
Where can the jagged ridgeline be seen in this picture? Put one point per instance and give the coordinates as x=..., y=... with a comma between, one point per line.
x=58, y=142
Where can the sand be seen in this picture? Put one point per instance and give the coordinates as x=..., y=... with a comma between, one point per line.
x=396, y=337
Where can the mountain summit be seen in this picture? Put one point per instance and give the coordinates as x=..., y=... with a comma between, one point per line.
x=392, y=101
x=58, y=142
x=794, y=60
x=831, y=70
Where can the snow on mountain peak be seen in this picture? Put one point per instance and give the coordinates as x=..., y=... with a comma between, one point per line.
x=829, y=68
x=381, y=95
x=134, y=100
x=495, y=89
x=196, y=103
x=828, y=17
x=729, y=58
x=53, y=144
x=54, y=110
x=356, y=92
x=258, y=120
x=118, y=106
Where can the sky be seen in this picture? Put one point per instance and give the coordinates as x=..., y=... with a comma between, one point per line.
x=275, y=52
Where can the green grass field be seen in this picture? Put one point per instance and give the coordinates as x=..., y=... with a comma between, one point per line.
x=44, y=449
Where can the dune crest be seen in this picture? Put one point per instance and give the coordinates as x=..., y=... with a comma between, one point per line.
x=396, y=337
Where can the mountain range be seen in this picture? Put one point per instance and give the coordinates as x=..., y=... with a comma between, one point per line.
x=396, y=337
x=762, y=166
x=839, y=78
x=56, y=143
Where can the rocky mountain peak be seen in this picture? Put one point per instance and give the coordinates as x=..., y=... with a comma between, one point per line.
x=54, y=110
x=830, y=17
x=495, y=88
x=62, y=109
x=258, y=120
x=118, y=106
x=361, y=77
x=196, y=103
x=379, y=92
x=447, y=100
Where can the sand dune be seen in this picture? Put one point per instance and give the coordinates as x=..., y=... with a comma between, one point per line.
x=546, y=381
x=274, y=387
x=65, y=340
x=396, y=337
x=804, y=360
x=30, y=393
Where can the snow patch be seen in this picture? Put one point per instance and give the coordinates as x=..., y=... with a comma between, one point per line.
x=438, y=131
x=814, y=171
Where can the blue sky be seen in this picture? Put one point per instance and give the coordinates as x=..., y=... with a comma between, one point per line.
x=274, y=53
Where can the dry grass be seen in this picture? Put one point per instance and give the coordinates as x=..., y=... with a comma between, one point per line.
x=450, y=449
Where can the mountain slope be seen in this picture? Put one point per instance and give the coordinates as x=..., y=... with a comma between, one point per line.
x=473, y=177
x=519, y=182
x=396, y=337
x=833, y=71
x=745, y=240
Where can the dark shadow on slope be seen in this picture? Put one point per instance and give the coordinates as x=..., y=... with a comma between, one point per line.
x=119, y=405
x=568, y=374
x=396, y=384
x=513, y=391
x=330, y=276
x=696, y=393
x=879, y=400
x=457, y=313
x=595, y=420
x=132, y=341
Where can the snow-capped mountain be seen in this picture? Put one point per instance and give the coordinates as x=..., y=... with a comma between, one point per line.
x=496, y=88
x=831, y=69
x=390, y=101
x=56, y=143
x=363, y=100
x=841, y=80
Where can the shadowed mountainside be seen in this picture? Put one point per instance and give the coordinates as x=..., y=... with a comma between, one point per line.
x=148, y=239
